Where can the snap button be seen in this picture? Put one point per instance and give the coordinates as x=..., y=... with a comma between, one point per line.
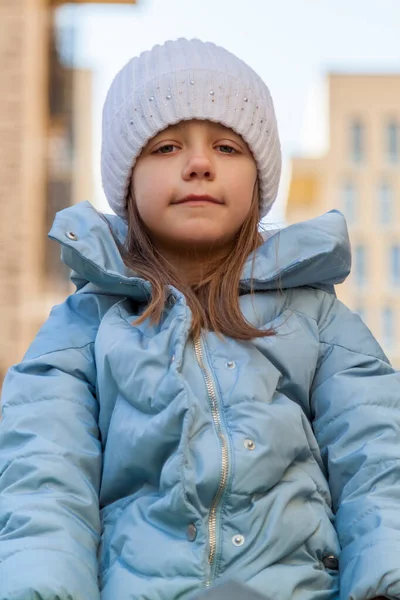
x=191, y=532
x=330, y=562
x=230, y=364
x=238, y=540
x=249, y=444
x=71, y=235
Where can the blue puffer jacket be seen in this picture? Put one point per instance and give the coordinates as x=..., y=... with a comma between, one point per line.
x=195, y=463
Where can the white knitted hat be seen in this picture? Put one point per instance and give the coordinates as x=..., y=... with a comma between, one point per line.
x=183, y=80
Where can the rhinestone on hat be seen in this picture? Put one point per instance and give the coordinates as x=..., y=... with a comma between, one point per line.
x=168, y=96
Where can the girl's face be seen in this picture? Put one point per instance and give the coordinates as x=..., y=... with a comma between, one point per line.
x=193, y=185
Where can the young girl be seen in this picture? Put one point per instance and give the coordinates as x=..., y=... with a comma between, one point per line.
x=202, y=408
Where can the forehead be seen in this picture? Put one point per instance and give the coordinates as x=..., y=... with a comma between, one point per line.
x=195, y=125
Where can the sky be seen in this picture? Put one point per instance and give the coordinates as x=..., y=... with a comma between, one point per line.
x=292, y=44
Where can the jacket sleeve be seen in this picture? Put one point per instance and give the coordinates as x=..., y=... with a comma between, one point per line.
x=356, y=405
x=50, y=461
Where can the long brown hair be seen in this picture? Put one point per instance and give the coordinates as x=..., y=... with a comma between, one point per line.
x=213, y=301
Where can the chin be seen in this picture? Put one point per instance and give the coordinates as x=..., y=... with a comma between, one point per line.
x=197, y=233
x=204, y=240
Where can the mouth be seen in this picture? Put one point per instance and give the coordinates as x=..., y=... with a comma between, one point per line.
x=198, y=199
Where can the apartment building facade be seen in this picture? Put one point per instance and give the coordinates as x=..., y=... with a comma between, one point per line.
x=45, y=160
x=360, y=175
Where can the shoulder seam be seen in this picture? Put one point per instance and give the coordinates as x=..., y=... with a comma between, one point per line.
x=299, y=312
x=334, y=344
x=79, y=348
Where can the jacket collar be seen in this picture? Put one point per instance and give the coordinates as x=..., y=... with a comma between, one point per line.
x=313, y=253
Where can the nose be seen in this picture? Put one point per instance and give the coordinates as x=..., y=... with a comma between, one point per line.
x=198, y=166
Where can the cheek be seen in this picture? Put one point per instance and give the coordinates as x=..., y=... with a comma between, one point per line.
x=144, y=186
x=243, y=191
x=147, y=192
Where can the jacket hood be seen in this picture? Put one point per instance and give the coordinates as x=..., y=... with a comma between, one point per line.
x=314, y=253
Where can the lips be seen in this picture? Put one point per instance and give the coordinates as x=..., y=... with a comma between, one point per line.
x=193, y=198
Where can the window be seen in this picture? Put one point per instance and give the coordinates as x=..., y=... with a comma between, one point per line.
x=359, y=265
x=395, y=265
x=388, y=327
x=357, y=141
x=349, y=201
x=385, y=199
x=392, y=141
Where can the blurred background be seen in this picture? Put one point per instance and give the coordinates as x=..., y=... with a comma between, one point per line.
x=334, y=73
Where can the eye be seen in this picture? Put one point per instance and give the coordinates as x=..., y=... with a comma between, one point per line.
x=166, y=149
x=226, y=149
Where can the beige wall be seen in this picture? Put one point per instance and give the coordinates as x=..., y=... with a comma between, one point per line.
x=82, y=176
x=23, y=83
x=373, y=99
x=30, y=154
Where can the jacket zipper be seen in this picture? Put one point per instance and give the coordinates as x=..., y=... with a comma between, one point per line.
x=212, y=397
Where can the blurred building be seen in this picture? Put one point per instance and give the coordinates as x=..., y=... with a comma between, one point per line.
x=45, y=165
x=360, y=175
